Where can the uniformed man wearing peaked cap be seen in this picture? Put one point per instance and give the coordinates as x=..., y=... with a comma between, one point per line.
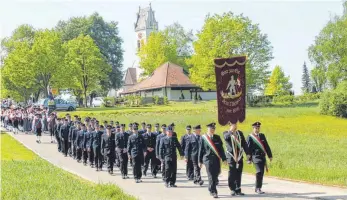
x=150, y=140
x=189, y=164
x=122, y=151
x=167, y=154
x=157, y=144
x=108, y=146
x=96, y=144
x=211, y=153
x=259, y=149
x=192, y=151
x=235, y=147
x=136, y=150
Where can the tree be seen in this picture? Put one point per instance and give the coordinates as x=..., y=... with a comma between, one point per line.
x=329, y=50
x=319, y=78
x=87, y=64
x=106, y=37
x=173, y=44
x=306, y=86
x=18, y=77
x=47, y=60
x=278, y=83
x=24, y=33
x=228, y=35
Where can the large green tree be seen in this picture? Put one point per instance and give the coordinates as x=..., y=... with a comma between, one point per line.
x=278, y=83
x=329, y=51
x=47, y=61
x=106, y=37
x=228, y=35
x=172, y=44
x=87, y=64
x=318, y=77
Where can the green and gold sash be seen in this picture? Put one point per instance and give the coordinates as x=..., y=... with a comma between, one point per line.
x=210, y=143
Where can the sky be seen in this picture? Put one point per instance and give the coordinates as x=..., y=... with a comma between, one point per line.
x=291, y=26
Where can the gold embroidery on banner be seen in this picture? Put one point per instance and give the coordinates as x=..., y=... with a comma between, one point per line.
x=231, y=64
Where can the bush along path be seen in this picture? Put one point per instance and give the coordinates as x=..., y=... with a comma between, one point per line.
x=153, y=189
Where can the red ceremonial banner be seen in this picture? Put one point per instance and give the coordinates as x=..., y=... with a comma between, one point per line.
x=231, y=89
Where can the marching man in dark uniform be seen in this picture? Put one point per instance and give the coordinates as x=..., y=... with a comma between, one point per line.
x=150, y=140
x=64, y=133
x=122, y=151
x=108, y=145
x=57, y=133
x=136, y=151
x=96, y=144
x=189, y=164
x=79, y=142
x=143, y=130
x=157, y=150
x=259, y=149
x=236, y=145
x=116, y=156
x=192, y=152
x=168, y=147
x=211, y=152
x=130, y=132
x=88, y=145
x=73, y=137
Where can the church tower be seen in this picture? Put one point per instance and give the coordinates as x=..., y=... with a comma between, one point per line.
x=145, y=24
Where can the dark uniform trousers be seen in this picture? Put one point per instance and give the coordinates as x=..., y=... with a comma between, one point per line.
x=213, y=170
x=97, y=157
x=79, y=153
x=150, y=156
x=197, y=170
x=91, y=156
x=57, y=138
x=137, y=163
x=66, y=146
x=110, y=160
x=190, y=169
x=85, y=156
x=170, y=170
x=123, y=162
x=259, y=167
x=117, y=160
x=234, y=180
x=74, y=149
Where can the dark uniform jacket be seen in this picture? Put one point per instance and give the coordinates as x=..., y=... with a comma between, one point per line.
x=64, y=131
x=228, y=140
x=108, y=144
x=122, y=141
x=206, y=154
x=96, y=139
x=74, y=134
x=167, y=148
x=87, y=139
x=257, y=155
x=79, y=140
x=57, y=129
x=150, y=140
x=191, y=150
x=136, y=145
x=70, y=132
x=142, y=131
x=184, y=139
x=157, y=144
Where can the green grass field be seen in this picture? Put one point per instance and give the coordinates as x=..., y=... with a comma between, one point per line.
x=306, y=146
x=26, y=176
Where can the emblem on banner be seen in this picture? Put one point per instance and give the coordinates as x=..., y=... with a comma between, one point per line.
x=231, y=89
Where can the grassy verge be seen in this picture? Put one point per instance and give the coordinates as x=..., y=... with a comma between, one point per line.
x=306, y=146
x=26, y=176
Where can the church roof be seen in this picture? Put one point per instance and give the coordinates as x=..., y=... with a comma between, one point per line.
x=130, y=76
x=144, y=15
x=167, y=75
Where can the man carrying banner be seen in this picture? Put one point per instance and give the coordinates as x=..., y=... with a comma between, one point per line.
x=236, y=146
x=258, y=148
x=211, y=152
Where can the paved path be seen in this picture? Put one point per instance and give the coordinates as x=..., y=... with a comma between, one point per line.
x=153, y=189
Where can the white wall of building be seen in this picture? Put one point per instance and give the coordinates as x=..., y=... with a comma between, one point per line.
x=207, y=95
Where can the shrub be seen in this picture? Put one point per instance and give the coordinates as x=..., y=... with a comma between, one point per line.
x=308, y=97
x=285, y=99
x=109, y=102
x=156, y=100
x=166, y=100
x=335, y=102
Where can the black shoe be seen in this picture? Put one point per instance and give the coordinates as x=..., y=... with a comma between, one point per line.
x=173, y=185
x=167, y=185
x=258, y=191
x=51, y=141
x=137, y=181
x=201, y=183
x=65, y=155
x=37, y=141
x=233, y=193
x=123, y=177
x=215, y=195
x=154, y=175
x=240, y=194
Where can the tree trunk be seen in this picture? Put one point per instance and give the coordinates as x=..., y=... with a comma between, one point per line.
x=85, y=98
x=37, y=95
